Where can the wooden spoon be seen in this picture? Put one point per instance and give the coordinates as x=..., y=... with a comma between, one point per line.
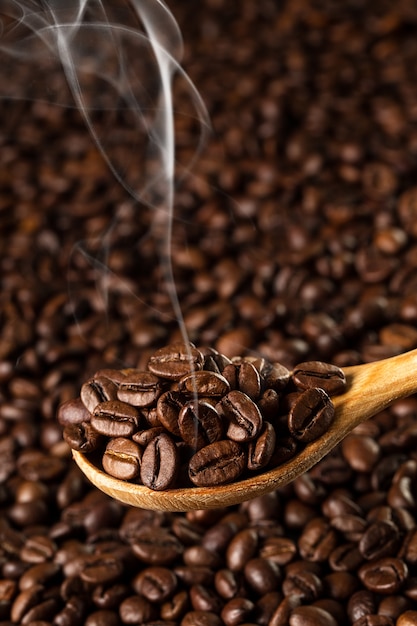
x=370, y=389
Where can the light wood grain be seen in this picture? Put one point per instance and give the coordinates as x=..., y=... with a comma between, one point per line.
x=370, y=389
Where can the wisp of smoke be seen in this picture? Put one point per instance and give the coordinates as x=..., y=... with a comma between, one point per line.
x=114, y=57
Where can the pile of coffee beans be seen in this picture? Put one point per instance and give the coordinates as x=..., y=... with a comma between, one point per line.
x=294, y=240
x=195, y=417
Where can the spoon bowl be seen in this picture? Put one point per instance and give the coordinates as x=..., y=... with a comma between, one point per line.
x=370, y=388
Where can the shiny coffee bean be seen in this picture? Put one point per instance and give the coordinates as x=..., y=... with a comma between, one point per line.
x=72, y=412
x=122, y=458
x=313, y=374
x=160, y=463
x=311, y=415
x=203, y=383
x=175, y=361
x=200, y=618
x=156, y=584
x=219, y=463
x=311, y=616
x=140, y=389
x=200, y=424
x=155, y=546
x=241, y=549
x=82, y=437
x=245, y=419
x=168, y=409
x=384, y=576
x=261, y=451
x=249, y=380
x=237, y=611
x=136, y=609
x=97, y=390
x=115, y=419
x=262, y=575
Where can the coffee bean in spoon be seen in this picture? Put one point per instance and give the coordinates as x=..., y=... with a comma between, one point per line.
x=236, y=418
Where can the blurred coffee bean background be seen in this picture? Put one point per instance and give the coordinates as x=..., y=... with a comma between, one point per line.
x=294, y=237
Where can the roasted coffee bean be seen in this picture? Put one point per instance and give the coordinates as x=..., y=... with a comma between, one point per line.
x=360, y=604
x=42, y=612
x=136, y=609
x=309, y=490
x=352, y=526
x=203, y=383
x=99, y=569
x=82, y=437
x=199, y=555
x=408, y=618
x=261, y=450
x=311, y=616
x=39, y=574
x=140, y=389
x=339, y=504
x=283, y=611
x=205, y=599
x=156, y=546
x=268, y=404
x=311, y=415
x=304, y=584
x=200, y=618
x=237, y=611
x=275, y=375
x=199, y=424
x=218, y=537
x=262, y=575
x=313, y=374
x=266, y=606
x=280, y=550
x=194, y=575
x=219, y=463
x=265, y=507
x=187, y=532
x=168, y=409
x=384, y=576
x=380, y=539
x=156, y=584
x=227, y=583
x=249, y=380
x=103, y=618
x=97, y=390
x=115, y=419
x=160, y=463
x=24, y=601
x=340, y=585
x=361, y=452
x=143, y=437
x=241, y=548
x=245, y=419
x=38, y=549
x=72, y=412
x=175, y=608
x=122, y=458
x=335, y=608
x=317, y=541
x=394, y=606
x=175, y=361
x=285, y=449
x=37, y=466
x=105, y=597
x=345, y=558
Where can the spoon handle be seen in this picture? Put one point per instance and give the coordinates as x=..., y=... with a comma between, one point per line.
x=374, y=386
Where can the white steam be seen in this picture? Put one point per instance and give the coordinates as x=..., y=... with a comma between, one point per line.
x=114, y=59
